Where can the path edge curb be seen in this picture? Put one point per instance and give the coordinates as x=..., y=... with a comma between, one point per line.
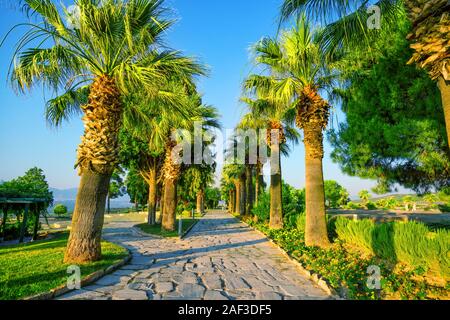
x=144, y=234
x=318, y=279
x=190, y=228
x=89, y=279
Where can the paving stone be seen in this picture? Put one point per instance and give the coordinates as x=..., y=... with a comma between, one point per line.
x=83, y=295
x=269, y=296
x=133, y=267
x=233, y=282
x=128, y=294
x=124, y=272
x=212, y=281
x=293, y=290
x=142, y=260
x=164, y=287
x=139, y=286
x=98, y=288
x=214, y=295
x=189, y=290
x=212, y=263
x=172, y=296
x=111, y=280
x=257, y=285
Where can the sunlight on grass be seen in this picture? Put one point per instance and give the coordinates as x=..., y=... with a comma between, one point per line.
x=29, y=269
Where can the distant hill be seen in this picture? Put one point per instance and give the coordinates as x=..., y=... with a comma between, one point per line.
x=71, y=194
x=67, y=197
x=64, y=194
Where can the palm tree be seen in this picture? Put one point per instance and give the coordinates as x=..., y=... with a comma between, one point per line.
x=253, y=121
x=195, y=179
x=152, y=119
x=298, y=72
x=110, y=48
x=277, y=120
x=172, y=170
x=228, y=191
x=347, y=28
x=236, y=174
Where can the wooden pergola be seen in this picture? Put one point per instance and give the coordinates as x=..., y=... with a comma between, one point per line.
x=35, y=205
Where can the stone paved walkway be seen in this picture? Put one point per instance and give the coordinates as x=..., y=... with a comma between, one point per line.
x=221, y=259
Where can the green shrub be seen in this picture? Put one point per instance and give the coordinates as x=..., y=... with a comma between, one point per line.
x=387, y=203
x=411, y=243
x=301, y=222
x=371, y=206
x=356, y=233
x=12, y=230
x=293, y=205
x=341, y=266
x=60, y=210
x=444, y=208
x=353, y=206
x=262, y=210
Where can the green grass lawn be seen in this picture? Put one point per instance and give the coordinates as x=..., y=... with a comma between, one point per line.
x=156, y=229
x=33, y=268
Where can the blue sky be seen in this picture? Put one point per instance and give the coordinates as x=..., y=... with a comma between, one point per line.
x=218, y=32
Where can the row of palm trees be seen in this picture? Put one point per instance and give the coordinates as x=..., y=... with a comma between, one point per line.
x=111, y=64
x=287, y=93
x=298, y=67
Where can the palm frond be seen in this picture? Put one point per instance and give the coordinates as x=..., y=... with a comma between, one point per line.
x=66, y=105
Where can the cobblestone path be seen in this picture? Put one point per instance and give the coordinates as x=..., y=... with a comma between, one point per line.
x=220, y=259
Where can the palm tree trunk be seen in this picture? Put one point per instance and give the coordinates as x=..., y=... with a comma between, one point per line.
x=234, y=201
x=87, y=221
x=161, y=204
x=276, y=199
x=238, y=207
x=316, y=227
x=243, y=196
x=202, y=206
x=199, y=202
x=249, y=189
x=152, y=185
x=258, y=182
x=170, y=206
x=444, y=87
x=171, y=172
x=109, y=203
x=97, y=158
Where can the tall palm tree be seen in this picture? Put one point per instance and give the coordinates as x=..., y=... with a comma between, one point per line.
x=277, y=120
x=298, y=72
x=137, y=155
x=228, y=191
x=253, y=121
x=195, y=179
x=110, y=48
x=172, y=170
x=236, y=174
x=346, y=27
x=150, y=120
